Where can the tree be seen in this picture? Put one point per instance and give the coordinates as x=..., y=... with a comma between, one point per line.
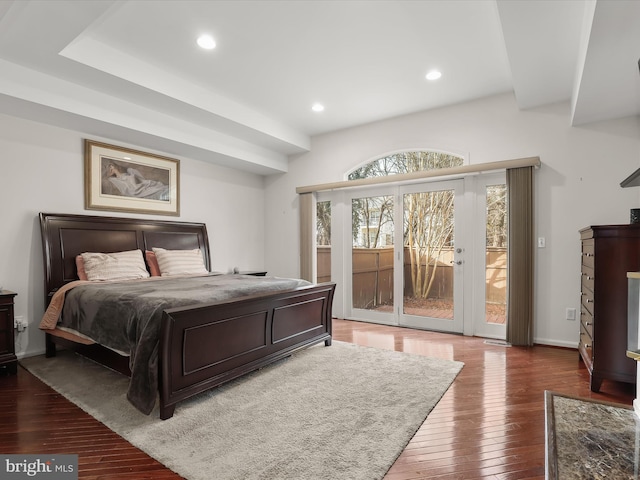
x=428, y=228
x=428, y=217
x=497, y=216
x=323, y=223
x=370, y=214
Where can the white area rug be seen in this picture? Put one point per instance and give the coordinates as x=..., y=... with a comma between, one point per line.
x=339, y=412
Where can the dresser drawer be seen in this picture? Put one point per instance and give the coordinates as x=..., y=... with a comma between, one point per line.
x=588, y=252
x=588, y=279
x=586, y=322
x=588, y=259
x=586, y=300
x=586, y=352
x=586, y=343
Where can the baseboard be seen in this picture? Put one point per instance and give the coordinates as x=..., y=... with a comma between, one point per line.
x=555, y=343
x=29, y=353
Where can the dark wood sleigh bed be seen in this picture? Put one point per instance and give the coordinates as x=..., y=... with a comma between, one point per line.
x=202, y=346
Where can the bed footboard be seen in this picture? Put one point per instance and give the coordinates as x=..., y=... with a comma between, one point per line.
x=203, y=347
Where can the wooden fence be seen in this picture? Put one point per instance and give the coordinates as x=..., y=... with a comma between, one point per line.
x=373, y=275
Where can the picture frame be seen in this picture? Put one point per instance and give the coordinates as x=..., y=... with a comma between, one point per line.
x=125, y=180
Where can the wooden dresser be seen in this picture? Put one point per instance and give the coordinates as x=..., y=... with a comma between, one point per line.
x=608, y=253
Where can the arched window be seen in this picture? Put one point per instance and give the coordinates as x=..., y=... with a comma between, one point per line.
x=406, y=162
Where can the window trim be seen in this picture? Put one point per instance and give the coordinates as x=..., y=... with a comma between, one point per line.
x=453, y=172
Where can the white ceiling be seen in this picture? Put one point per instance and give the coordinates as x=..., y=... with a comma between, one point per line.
x=130, y=70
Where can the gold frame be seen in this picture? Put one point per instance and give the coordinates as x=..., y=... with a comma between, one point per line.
x=125, y=180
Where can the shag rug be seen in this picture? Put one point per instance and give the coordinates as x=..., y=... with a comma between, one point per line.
x=338, y=412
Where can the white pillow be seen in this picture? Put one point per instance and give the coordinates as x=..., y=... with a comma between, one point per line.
x=180, y=262
x=114, y=266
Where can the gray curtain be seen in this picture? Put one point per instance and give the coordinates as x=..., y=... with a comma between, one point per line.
x=307, y=227
x=520, y=256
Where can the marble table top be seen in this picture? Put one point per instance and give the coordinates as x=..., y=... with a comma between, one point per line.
x=588, y=439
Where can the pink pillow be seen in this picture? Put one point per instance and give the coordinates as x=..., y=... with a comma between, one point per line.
x=82, y=275
x=152, y=263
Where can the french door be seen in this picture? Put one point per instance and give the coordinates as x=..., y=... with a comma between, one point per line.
x=407, y=256
x=429, y=286
x=490, y=282
x=429, y=255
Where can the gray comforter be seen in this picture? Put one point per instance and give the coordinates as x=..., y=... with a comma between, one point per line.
x=126, y=316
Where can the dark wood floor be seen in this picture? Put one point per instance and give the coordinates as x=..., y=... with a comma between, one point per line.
x=489, y=424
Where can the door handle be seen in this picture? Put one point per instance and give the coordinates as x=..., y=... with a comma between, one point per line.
x=457, y=262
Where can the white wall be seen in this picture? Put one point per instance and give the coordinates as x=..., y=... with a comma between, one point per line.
x=577, y=185
x=41, y=169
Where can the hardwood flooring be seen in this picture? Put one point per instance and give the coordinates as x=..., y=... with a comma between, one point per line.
x=488, y=425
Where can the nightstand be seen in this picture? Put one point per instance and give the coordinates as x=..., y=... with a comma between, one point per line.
x=8, y=359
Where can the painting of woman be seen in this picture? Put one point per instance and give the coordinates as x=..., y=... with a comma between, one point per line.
x=130, y=182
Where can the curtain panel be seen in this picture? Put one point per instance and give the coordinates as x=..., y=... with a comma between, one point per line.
x=520, y=256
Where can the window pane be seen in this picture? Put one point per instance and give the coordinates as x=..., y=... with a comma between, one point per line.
x=323, y=241
x=406, y=162
x=496, y=254
x=372, y=253
x=428, y=254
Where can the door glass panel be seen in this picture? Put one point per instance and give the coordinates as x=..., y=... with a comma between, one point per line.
x=372, y=253
x=496, y=254
x=428, y=254
x=323, y=241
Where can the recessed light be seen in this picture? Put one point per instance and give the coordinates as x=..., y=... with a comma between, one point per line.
x=433, y=75
x=317, y=107
x=207, y=42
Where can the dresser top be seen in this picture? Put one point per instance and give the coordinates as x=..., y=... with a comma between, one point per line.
x=625, y=230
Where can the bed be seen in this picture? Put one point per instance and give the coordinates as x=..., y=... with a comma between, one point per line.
x=201, y=345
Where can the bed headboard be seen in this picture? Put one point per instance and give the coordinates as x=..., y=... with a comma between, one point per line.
x=65, y=236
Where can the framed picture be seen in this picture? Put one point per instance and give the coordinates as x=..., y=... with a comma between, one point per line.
x=125, y=180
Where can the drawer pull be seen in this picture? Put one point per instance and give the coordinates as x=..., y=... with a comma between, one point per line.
x=588, y=324
x=586, y=345
x=589, y=300
x=588, y=254
x=588, y=276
